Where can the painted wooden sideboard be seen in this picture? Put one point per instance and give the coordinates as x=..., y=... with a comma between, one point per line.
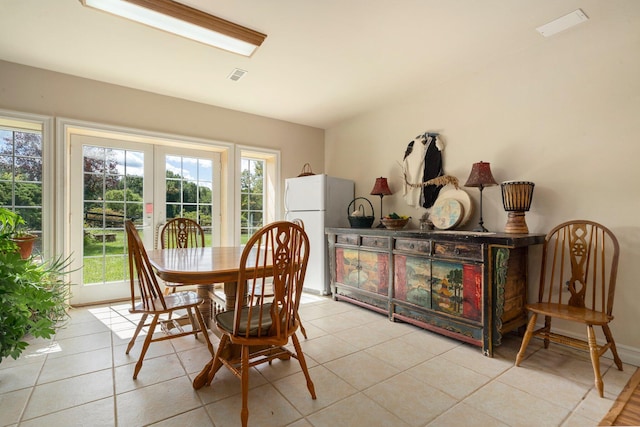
x=467, y=285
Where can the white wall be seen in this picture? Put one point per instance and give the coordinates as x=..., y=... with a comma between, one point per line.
x=37, y=91
x=564, y=114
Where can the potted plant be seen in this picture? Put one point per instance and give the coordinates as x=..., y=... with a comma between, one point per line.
x=24, y=239
x=34, y=295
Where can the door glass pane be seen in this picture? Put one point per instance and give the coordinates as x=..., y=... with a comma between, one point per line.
x=189, y=185
x=112, y=193
x=251, y=197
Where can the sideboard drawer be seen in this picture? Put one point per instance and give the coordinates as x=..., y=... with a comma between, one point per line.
x=457, y=250
x=412, y=245
x=376, y=241
x=348, y=239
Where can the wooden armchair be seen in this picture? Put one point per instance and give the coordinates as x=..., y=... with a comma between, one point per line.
x=180, y=233
x=152, y=302
x=577, y=284
x=263, y=328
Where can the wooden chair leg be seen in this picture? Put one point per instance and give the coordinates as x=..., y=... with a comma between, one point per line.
x=203, y=328
x=303, y=365
x=614, y=350
x=217, y=364
x=244, y=414
x=547, y=329
x=527, y=337
x=595, y=359
x=192, y=320
x=304, y=333
x=135, y=334
x=145, y=346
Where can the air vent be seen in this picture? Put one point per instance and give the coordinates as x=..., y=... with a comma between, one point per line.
x=236, y=74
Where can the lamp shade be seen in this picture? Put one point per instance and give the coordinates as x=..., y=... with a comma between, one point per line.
x=381, y=187
x=480, y=176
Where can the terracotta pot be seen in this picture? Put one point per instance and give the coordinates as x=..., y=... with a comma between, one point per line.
x=25, y=244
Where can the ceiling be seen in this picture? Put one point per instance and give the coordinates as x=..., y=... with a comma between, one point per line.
x=323, y=61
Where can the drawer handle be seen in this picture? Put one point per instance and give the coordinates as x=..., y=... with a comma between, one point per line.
x=456, y=251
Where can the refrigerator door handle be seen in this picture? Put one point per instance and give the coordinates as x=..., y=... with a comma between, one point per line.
x=286, y=198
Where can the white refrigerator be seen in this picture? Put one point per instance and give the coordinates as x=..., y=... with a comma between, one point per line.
x=319, y=201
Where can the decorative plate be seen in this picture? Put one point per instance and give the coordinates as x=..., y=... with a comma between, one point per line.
x=446, y=213
x=449, y=192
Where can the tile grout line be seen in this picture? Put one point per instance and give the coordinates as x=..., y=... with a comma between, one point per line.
x=33, y=387
x=113, y=370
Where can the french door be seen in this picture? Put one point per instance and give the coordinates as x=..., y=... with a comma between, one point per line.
x=113, y=180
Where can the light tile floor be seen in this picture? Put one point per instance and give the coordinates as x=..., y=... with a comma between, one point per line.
x=367, y=372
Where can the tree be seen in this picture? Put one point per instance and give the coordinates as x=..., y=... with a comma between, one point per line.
x=120, y=201
x=251, y=196
x=100, y=172
x=454, y=277
x=21, y=175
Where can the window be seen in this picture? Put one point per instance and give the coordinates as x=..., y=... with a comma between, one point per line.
x=21, y=172
x=251, y=197
x=258, y=189
x=189, y=184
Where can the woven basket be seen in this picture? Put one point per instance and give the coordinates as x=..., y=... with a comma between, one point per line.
x=306, y=170
x=360, y=221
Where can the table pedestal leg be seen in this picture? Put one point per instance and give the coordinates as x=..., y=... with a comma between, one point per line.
x=205, y=308
x=230, y=295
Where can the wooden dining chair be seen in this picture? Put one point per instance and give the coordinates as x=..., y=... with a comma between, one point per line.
x=180, y=233
x=283, y=249
x=150, y=301
x=268, y=293
x=577, y=284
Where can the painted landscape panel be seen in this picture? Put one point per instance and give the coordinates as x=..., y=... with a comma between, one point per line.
x=413, y=280
x=456, y=288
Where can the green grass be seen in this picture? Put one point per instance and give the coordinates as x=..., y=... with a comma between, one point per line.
x=108, y=262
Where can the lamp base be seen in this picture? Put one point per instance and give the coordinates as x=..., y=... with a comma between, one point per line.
x=381, y=225
x=516, y=223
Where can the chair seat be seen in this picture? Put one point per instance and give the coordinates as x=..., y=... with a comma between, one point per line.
x=567, y=312
x=174, y=301
x=224, y=321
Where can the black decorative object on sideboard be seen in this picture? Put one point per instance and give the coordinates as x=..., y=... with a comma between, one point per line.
x=470, y=286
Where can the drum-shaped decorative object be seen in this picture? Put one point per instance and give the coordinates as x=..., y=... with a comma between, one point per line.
x=516, y=199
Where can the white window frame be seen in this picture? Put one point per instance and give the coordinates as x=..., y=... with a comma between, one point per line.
x=272, y=209
x=49, y=234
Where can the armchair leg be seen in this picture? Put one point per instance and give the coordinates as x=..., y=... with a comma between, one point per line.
x=303, y=365
x=304, y=333
x=595, y=359
x=203, y=328
x=547, y=329
x=527, y=337
x=135, y=334
x=614, y=351
x=244, y=414
x=145, y=346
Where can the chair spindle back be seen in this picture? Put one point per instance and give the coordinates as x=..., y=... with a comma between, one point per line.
x=283, y=248
x=140, y=269
x=181, y=233
x=579, y=266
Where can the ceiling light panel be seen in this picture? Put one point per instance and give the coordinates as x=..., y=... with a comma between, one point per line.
x=184, y=21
